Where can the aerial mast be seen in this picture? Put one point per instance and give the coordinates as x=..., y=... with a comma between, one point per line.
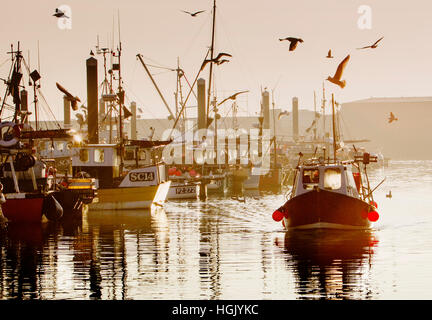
x=211, y=59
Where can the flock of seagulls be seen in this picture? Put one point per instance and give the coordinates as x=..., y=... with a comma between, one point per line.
x=337, y=77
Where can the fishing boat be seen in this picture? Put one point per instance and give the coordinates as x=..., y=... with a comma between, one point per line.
x=29, y=185
x=119, y=187
x=330, y=194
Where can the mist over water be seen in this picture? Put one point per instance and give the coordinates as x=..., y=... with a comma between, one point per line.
x=226, y=249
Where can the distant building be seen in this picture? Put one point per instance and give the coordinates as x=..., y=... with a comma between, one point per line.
x=409, y=137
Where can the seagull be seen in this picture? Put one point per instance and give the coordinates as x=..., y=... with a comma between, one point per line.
x=293, y=42
x=389, y=195
x=216, y=60
x=222, y=61
x=81, y=120
x=59, y=14
x=336, y=79
x=74, y=100
x=372, y=46
x=283, y=113
x=392, y=118
x=193, y=14
x=232, y=97
x=329, y=54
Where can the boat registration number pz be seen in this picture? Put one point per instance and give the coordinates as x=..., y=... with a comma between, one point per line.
x=141, y=176
x=184, y=190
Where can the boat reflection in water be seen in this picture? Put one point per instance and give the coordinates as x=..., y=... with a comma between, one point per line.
x=85, y=259
x=330, y=263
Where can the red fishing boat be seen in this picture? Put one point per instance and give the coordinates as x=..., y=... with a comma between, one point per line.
x=330, y=194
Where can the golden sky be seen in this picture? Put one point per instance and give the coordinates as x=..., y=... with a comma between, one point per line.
x=247, y=29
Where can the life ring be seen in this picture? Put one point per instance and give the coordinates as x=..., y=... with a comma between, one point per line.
x=15, y=139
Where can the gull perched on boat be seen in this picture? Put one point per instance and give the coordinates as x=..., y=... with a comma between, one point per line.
x=282, y=113
x=216, y=60
x=193, y=14
x=329, y=54
x=74, y=100
x=232, y=97
x=392, y=118
x=293, y=42
x=336, y=79
x=59, y=14
x=372, y=46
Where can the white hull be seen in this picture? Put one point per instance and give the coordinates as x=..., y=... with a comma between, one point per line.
x=181, y=191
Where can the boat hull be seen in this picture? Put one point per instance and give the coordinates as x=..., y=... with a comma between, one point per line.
x=182, y=191
x=122, y=198
x=325, y=209
x=23, y=209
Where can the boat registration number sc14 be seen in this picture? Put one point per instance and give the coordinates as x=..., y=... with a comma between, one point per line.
x=141, y=176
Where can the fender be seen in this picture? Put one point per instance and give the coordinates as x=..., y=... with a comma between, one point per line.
x=14, y=140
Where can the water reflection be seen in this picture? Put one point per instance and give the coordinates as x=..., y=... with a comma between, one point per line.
x=85, y=259
x=330, y=264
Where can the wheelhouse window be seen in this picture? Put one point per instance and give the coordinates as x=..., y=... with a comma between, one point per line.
x=130, y=154
x=142, y=155
x=99, y=155
x=310, y=178
x=84, y=155
x=332, y=179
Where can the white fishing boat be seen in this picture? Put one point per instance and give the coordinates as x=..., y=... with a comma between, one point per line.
x=119, y=188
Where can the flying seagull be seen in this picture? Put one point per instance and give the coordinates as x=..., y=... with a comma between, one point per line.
x=59, y=14
x=374, y=45
x=232, y=97
x=329, y=54
x=193, y=14
x=283, y=113
x=221, y=61
x=336, y=79
x=293, y=42
x=74, y=100
x=216, y=60
x=392, y=118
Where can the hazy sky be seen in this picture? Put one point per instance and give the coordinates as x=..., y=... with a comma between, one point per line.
x=248, y=29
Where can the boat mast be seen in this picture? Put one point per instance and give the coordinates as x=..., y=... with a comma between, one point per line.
x=334, y=128
x=323, y=112
x=120, y=96
x=211, y=60
x=315, y=117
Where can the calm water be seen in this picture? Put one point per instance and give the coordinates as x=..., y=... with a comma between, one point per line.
x=225, y=249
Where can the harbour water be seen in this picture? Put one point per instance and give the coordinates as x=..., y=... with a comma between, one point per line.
x=226, y=249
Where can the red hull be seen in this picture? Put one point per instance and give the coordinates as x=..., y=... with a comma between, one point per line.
x=23, y=210
x=322, y=207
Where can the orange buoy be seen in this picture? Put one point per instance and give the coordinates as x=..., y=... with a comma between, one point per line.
x=277, y=216
x=373, y=216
